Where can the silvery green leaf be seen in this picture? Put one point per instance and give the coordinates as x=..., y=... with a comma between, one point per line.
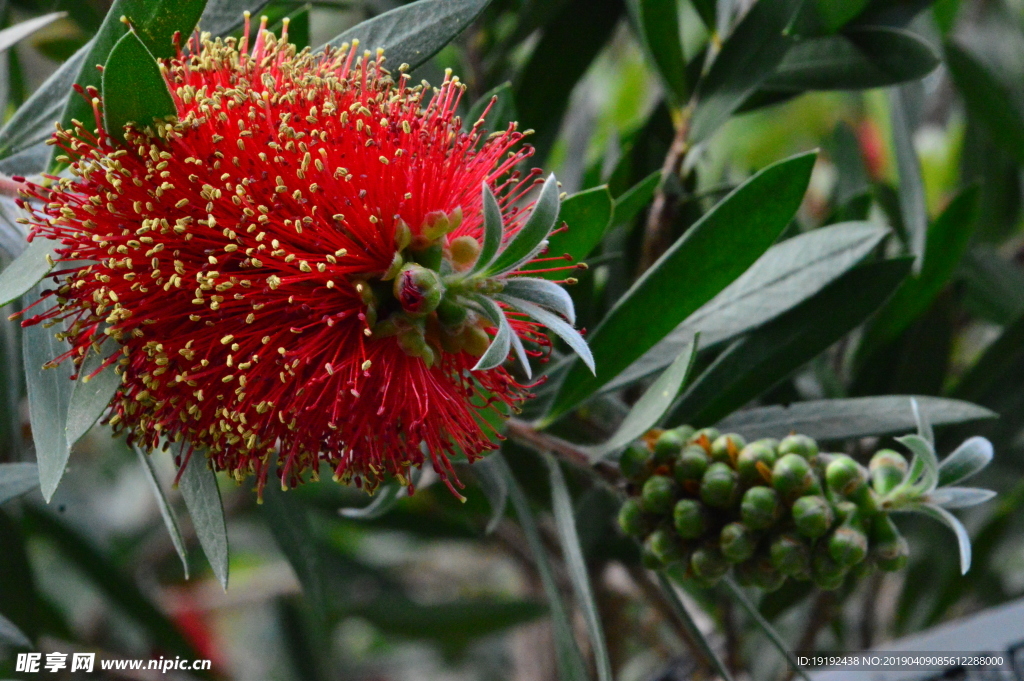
x=568, y=537
x=18, y=32
x=166, y=512
x=16, y=479
x=384, y=499
x=27, y=270
x=90, y=397
x=520, y=353
x=494, y=230
x=497, y=351
x=198, y=485
x=12, y=635
x=959, y=497
x=966, y=460
x=495, y=486
x=530, y=237
x=924, y=426
x=950, y=520
x=924, y=468
x=544, y=293
x=554, y=323
x=653, y=404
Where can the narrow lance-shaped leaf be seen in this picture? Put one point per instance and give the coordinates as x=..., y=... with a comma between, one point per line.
x=966, y=460
x=494, y=231
x=555, y=324
x=533, y=232
x=691, y=626
x=629, y=204
x=924, y=467
x=924, y=426
x=911, y=195
x=654, y=403
x=18, y=32
x=542, y=292
x=166, y=512
x=963, y=540
x=134, y=89
x=766, y=626
x=565, y=522
x=90, y=397
x=500, y=345
x=198, y=485
x=657, y=22
x=27, y=270
x=12, y=635
x=960, y=497
x=17, y=479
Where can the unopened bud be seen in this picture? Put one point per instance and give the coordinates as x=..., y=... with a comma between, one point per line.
x=450, y=313
x=635, y=462
x=704, y=437
x=659, y=494
x=727, y=447
x=667, y=447
x=845, y=476
x=736, y=542
x=689, y=517
x=827, y=573
x=414, y=344
x=749, y=457
x=632, y=519
x=418, y=289
x=719, y=486
x=760, y=507
x=708, y=564
x=475, y=340
x=888, y=547
x=848, y=546
x=691, y=464
x=887, y=470
x=666, y=545
x=798, y=444
x=792, y=477
x=403, y=235
x=812, y=516
x=435, y=225
x=464, y=252
x=791, y=555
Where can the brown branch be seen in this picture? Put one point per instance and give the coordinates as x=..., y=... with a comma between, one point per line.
x=523, y=432
x=658, y=230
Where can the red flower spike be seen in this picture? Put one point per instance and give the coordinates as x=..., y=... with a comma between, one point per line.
x=277, y=266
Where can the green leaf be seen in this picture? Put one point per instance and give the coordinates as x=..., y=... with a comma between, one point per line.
x=987, y=99
x=654, y=403
x=629, y=204
x=858, y=59
x=413, y=33
x=27, y=270
x=966, y=460
x=90, y=397
x=385, y=499
x=223, y=16
x=588, y=215
x=785, y=276
x=555, y=324
x=850, y=418
x=949, y=520
x=531, y=235
x=14, y=34
x=166, y=512
x=198, y=485
x=17, y=479
x=497, y=351
x=49, y=394
x=156, y=22
x=991, y=369
x=712, y=253
x=960, y=497
x=924, y=466
x=494, y=230
x=570, y=662
x=542, y=292
x=913, y=212
x=12, y=635
x=565, y=523
x=134, y=90
x=691, y=626
x=995, y=284
x=766, y=626
x=748, y=57
x=834, y=14
x=657, y=23
x=947, y=241
x=502, y=111
x=758, y=361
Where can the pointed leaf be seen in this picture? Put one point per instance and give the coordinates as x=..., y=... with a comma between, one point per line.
x=520, y=352
x=960, y=497
x=90, y=397
x=654, y=403
x=924, y=426
x=629, y=204
x=18, y=32
x=223, y=16
x=542, y=292
x=17, y=479
x=27, y=270
x=695, y=633
x=494, y=231
x=966, y=460
x=12, y=635
x=49, y=394
x=962, y=538
x=570, y=662
x=166, y=512
x=533, y=232
x=134, y=89
x=913, y=210
x=710, y=255
x=588, y=215
x=764, y=625
x=495, y=486
x=657, y=22
x=924, y=462
x=565, y=523
x=497, y=351
x=198, y=485
x=413, y=33
x=555, y=324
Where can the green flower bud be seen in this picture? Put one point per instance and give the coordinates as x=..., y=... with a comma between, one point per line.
x=798, y=444
x=418, y=289
x=769, y=442
x=759, y=572
x=704, y=437
x=720, y=486
x=760, y=507
x=659, y=494
x=812, y=516
x=667, y=447
x=792, y=477
x=746, y=572
x=648, y=557
x=736, y=542
x=887, y=470
x=689, y=517
x=635, y=463
x=691, y=464
x=845, y=476
x=450, y=312
x=464, y=252
x=791, y=555
x=666, y=545
x=848, y=545
x=632, y=518
x=826, y=572
x=749, y=457
x=888, y=547
x=726, y=448
x=708, y=564
x=685, y=432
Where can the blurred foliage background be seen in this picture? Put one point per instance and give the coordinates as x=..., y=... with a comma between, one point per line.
x=419, y=589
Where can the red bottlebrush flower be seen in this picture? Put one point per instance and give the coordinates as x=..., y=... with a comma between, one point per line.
x=307, y=267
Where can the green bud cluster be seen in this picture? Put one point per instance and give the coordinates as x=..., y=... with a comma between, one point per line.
x=769, y=510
